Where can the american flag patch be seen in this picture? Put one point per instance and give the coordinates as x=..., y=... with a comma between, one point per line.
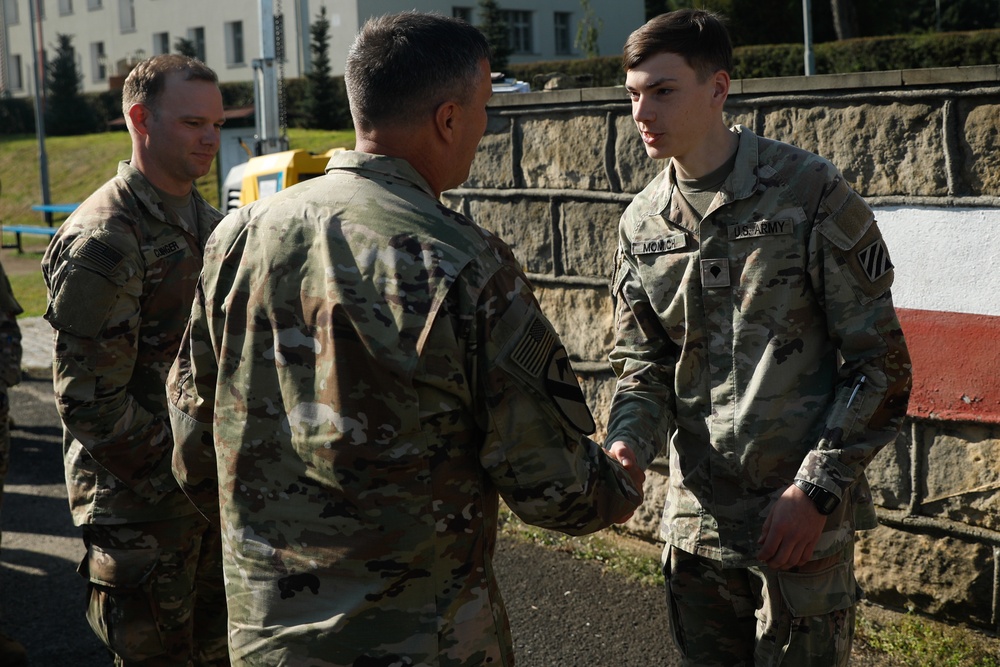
x=532, y=353
x=105, y=258
x=875, y=260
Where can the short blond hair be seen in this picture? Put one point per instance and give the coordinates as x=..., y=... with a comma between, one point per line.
x=146, y=81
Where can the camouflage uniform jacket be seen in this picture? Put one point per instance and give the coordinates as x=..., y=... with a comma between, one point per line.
x=729, y=329
x=365, y=371
x=10, y=334
x=121, y=274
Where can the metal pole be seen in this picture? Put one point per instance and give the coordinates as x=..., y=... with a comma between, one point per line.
x=266, y=84
x=37, y=50
x=807, y=28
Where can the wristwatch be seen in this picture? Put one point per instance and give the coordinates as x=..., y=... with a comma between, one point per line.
x=825, y=501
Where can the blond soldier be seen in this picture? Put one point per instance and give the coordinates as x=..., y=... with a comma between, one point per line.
x=121, y=274
x=364, y=371
x=755, y=327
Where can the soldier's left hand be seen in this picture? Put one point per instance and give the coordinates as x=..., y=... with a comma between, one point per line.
x=791, y=531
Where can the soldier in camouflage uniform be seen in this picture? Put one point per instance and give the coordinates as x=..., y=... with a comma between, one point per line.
x=756, y=332
x=11, y=652
x=364, y=371
x=121, y=274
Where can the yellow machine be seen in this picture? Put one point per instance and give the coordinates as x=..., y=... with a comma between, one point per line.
x=265, y=175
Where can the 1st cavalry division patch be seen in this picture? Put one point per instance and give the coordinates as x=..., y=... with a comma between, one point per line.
x=537, y=352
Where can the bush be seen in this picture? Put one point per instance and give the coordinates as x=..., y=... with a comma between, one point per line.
x=873, y=54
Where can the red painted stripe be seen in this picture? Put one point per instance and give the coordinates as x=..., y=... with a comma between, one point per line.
x=956, y=367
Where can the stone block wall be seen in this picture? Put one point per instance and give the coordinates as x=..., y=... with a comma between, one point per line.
x=555, y=171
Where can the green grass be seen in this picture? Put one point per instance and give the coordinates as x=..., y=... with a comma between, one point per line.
x=77, y=167
x=911, y=641
x=29, y=290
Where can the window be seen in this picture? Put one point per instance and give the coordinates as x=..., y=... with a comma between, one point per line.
x=10, y=12
x=99, y=62
x=161, y=43
x=464, y=13
x=564, y=45
x=519, y=31
x=126, y=15
x=65, y=7
x=234, y=43
x=95, y=4
x=14, y=74
x=197, y=37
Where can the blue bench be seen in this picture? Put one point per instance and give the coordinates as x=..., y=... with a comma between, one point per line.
x=17, y=230
x=54, y=208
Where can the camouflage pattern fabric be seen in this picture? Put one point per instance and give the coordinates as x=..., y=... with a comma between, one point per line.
x=720, y=616
x=728, y=335
x=10, y=367
x=121, y=274
x=156, y=596
x=364, y=372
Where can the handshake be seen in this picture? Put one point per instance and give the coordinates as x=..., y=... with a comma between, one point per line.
x=622, y=453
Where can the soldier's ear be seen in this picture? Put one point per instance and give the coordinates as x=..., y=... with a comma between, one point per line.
x=445, y=118
x=139, y=116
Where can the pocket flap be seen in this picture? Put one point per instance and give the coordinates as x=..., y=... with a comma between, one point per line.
x=819, y=593
x=119, y=568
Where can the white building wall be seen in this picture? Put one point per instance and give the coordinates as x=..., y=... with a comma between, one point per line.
x=93, y=21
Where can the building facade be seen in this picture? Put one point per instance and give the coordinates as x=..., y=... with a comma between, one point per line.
x=111, y=35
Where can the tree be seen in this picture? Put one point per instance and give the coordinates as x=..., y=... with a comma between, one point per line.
x=185, y=47
x=845, y=19
x=67, y=111
x=588, y=30
x=324, y=107
x=495, y=28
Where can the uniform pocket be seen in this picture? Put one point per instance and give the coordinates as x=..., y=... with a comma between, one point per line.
x=121, y=609
x=819, y=593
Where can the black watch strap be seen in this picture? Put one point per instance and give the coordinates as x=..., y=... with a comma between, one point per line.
x=825, y=501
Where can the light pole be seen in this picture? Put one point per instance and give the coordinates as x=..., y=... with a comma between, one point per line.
x=39, y=69
x=807, y=28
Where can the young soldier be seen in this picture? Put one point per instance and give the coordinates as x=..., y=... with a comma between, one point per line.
x=121, y=274
x=755, y=328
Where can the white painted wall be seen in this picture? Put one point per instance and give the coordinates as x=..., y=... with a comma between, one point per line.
x=946, y=259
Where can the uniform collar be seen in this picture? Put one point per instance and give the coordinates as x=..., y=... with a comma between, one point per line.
x=146, y=194
x=390, y=168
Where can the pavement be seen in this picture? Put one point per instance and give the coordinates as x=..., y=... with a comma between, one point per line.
x=564, y=612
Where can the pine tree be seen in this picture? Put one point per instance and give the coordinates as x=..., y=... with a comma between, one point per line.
x=495, y=28
x=67, y=111
x=588, y=31
x=323, y=108
x=185, y=47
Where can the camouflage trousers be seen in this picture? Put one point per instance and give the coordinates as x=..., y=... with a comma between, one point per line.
x=758, y=617
x=156, y=594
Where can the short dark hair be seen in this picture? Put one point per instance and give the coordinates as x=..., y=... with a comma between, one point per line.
x=403, y=66
x=697, y=35
x=145, y=83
